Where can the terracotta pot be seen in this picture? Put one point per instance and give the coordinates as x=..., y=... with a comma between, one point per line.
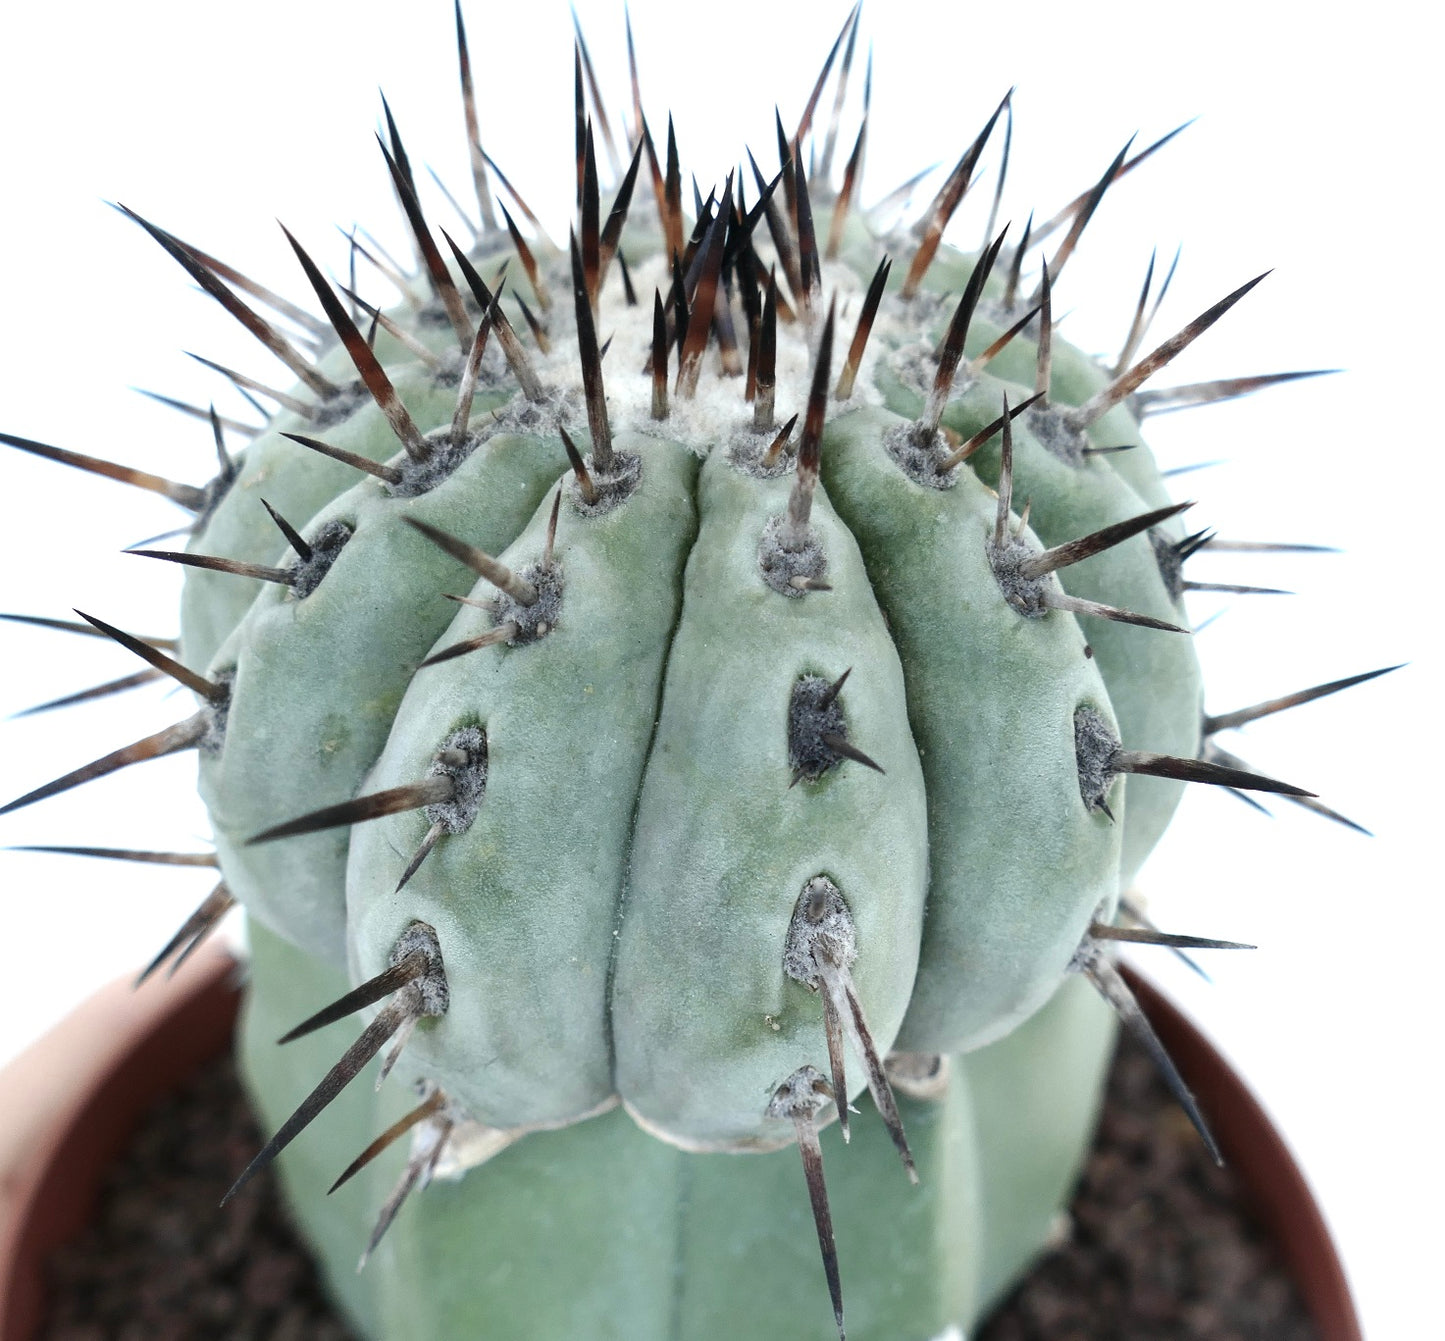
x=1258, y=1155
x=69, y=1104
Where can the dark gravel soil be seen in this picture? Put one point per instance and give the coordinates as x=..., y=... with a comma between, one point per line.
x=162, y=1263
x=1160, y=1249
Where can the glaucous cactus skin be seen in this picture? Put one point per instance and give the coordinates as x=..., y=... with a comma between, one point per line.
x=748, y=768
x=642, y=841
x=615, y=916
x=599, y=1229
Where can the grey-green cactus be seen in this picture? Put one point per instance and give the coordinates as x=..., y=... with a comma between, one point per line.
x=753, y=764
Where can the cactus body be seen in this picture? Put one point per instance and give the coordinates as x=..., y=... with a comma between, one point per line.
x=654, y=1243
x=756, y=767
x=615, y=917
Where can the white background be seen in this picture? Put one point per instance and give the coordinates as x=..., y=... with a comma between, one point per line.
x=1311, y=154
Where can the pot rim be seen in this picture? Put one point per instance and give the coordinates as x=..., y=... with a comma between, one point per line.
x=1253, y=1148
x=71, y=1101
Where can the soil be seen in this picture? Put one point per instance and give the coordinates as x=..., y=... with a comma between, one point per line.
x=1160, y=1248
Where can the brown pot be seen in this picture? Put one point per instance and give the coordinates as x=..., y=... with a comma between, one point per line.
x=69, y=1104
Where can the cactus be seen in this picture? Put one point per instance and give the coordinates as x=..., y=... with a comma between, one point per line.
x=815, y=681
